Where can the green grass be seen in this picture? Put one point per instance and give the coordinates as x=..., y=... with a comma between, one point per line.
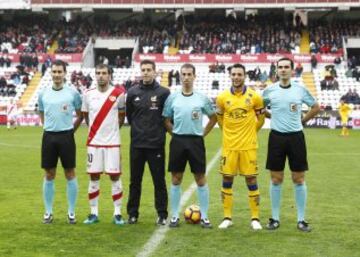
x=333, y=206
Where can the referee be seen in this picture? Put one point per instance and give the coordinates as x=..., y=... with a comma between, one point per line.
x=287, y=139
x=183, y=114
x=144, y=106
x=56, y=105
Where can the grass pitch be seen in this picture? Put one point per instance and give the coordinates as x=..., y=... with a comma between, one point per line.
x=333, y=206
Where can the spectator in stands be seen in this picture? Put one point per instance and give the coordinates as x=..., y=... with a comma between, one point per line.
x=337, y=62
x=118, y=62
x=356, y=74
x=272, y=72
x=127, y=62
x=314, y=62
x=298, y=70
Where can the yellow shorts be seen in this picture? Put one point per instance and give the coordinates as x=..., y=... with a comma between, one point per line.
x=242, y=163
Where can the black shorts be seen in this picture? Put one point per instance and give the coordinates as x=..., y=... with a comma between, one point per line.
x=55, y=145
x=291, y=145
x=187, y=148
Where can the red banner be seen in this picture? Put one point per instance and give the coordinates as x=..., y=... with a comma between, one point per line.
x=42, y=57
x=233, y=58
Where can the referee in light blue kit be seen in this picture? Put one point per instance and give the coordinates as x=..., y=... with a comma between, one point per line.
x=287, y=139
x=183, y=114
x=56, y=106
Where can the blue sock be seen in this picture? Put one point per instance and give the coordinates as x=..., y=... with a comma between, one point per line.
x=72, y=190
x=300, y=197
x=48, y=194
x=175, y=195
x=275, y=196
x=203, y=195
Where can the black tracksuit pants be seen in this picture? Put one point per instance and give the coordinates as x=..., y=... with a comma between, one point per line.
x=156, y=161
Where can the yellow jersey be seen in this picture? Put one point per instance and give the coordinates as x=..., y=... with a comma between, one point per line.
x=237, y=113
x=344, y=110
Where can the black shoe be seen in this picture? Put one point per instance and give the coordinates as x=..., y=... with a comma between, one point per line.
x=161, y=221
x=48, y=218
x=174, y=222
x=71, y=218
x=273, y=224
x=132, y=220
x=303, y=226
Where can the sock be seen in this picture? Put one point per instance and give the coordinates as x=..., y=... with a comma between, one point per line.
x=254, y=201
x=275, y=196
x=300, y=197
x=116, y=191
x=343, y=131
x=175, y=194
x=93, y=194
x=72, y=191
x=203, y=196
x=8, y=125
x=346, y=132
x=227, y=199
x=48, y=194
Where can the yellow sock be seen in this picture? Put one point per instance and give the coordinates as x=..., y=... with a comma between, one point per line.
x=254, y=202
x=343, y=131
x=227, y=199
x=346, y=132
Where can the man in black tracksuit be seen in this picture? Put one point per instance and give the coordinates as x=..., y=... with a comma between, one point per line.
x=144, y=106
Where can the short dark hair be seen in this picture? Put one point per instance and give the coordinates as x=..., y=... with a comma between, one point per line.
x=146, y=61
x=188, y=66
x=59, y=63
x=285, y=59
x=237, y=65
x=104, y=66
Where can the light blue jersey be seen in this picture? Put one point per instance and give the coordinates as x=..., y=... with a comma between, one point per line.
x=187, y=112
x=58, y=107
x=286, y=106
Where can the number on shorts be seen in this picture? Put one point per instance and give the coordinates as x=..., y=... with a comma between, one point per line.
x=90, y=157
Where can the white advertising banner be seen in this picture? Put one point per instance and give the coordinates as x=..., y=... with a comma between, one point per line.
x=15, y=4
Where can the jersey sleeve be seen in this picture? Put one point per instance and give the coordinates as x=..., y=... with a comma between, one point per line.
x=265, y=97
x=168, y=111
x=208, y=107
x=85, y=105
x=258, y=104
x=40, y=101
x=121, y=103
x=219, y=105
x=308, y=99
x=77, y=100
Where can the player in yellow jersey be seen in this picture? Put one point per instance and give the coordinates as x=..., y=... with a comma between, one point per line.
x=240, y=114
x=344, y=111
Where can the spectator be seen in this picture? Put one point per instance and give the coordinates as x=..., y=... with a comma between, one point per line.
x=298, y=70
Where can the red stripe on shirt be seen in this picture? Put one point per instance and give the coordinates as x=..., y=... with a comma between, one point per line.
x=100, y=117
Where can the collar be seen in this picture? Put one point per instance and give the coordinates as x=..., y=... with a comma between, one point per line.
x=151, y=86
x=244, y=88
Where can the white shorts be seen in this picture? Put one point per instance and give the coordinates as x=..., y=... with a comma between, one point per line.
x=100, y=159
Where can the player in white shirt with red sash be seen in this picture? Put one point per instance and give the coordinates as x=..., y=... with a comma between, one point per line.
x=11, y=113
x=104, y=111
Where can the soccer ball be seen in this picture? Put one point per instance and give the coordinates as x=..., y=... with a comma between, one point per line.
x=192, y=214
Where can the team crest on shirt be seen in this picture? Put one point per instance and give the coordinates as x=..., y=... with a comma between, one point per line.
x=228, y=103
x=153, y=100
x=137, y=99
x=112, y=98
x=248, y=101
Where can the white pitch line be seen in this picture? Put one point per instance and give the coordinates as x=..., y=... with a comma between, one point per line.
x=159, y=234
